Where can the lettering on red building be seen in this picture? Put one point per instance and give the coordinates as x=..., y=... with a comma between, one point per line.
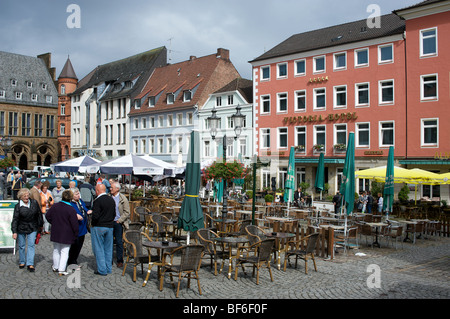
x=318, y=118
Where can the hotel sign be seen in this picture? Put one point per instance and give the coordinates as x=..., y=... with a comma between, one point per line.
x=319, y=118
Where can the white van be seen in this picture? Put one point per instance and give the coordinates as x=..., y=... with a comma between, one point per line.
x=41, y=169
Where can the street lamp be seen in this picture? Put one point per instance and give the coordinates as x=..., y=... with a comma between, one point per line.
x=214, y=125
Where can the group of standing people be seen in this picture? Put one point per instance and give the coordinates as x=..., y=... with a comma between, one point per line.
x=70, y=220
x=366, y=202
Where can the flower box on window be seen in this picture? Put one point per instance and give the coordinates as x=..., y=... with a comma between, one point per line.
x=318, y=147
x=340, y=147
x=300, y=148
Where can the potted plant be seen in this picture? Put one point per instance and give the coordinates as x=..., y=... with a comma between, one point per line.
x=249, y=195
x=318, y=147
x=225, y=170
x=299, y=148
x=403, y=194
x=268, y=199
x=340, y=147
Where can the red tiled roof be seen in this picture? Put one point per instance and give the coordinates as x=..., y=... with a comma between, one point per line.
x=206, y=74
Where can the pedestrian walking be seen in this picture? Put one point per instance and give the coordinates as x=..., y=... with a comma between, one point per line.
x=26, y=223
x=103, y=214
x=46, y=204
x=64, y=220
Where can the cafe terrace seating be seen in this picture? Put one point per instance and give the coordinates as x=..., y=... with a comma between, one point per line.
x=204, y=238
x=294, y=249
x=184, y=261
x=258, y=255
x=134, y=251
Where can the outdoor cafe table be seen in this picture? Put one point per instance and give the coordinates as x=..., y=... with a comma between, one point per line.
x=224, y=222
x=230, y=241
x=247, y=214
x=217, y=209
x=279, y=236
x=376, y=225
x=160, y=246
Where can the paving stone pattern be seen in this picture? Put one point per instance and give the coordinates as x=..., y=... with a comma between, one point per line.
x=414, y=271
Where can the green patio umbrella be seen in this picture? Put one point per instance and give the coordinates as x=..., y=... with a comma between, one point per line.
x=388, y=193
x=290, y=183
x=348, y=177
x=320, y=175
x=218, y=186
x=191, y=214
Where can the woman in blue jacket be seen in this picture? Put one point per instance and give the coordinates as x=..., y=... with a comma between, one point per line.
x=82, y=210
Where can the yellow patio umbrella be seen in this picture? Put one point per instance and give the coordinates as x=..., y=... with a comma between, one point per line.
x=445, y=177
x=401, y=175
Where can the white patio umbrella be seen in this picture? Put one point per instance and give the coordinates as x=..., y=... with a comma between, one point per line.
x=73, y=165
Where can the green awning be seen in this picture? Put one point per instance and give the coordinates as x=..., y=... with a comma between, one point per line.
x=424, y=162
x=316, y=160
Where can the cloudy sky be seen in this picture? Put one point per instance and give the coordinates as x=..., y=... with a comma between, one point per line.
x=115, y=29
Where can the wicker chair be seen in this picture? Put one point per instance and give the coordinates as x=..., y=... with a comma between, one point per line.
x=134, y=251
x=142, y=213
x=258, y=255
x=294, y=249
x=158, y=227
x=254, y=234
x=204, y=237
x=344, y=238
x=394, y=233
x=182, y=260
x=242, y=224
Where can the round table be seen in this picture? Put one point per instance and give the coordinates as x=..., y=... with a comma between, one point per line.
x=279, y=236
x=230, y=241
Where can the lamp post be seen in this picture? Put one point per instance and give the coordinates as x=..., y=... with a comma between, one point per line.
x=214, y=124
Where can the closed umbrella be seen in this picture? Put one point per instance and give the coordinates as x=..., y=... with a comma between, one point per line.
x=290, y=180
x=348, y=179
x=320, y=175
x=388, y=192
x=191, y=214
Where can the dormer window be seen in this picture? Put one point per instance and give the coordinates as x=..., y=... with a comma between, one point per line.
x=128, y=84
x=13, y=82
x=187, y=96
x=137, y=104
x=170, y=98
x=151, y=101
x=2, y=94
x=29, y=84
x=44, y=86
x=48, y=98
x=18, y=95
x=34, y=97
x=117, y=87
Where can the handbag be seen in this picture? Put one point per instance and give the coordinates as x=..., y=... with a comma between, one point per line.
x=38, y=236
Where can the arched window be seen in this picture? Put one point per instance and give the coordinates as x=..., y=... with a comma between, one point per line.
x=63, y=89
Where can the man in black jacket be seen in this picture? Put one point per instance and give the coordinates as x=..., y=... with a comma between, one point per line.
x=103, y=213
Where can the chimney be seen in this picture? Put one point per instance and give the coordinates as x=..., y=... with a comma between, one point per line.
x=192, y=58
x=223, y=54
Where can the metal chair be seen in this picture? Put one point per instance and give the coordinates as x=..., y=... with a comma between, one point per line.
x=257, y=255
x=185, y=261
x=294, y=249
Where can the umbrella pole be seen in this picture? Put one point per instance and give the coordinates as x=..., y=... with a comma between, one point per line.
x=188, y=238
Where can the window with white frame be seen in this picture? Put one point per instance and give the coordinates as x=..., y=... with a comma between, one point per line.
x=170, y=98
x=320, y=98
x=362, y=94
x=151, y=122
x=340, y=96
x=386, y=92
x=160, y=145
x=230, y=99
x=62, y=129
x=265, y=73
x=136, y=146
x=207, y=148
x=2, y=94
x=428, y=42
x=319, y=64
x=300, y=175
x=143, y=146
x=151, y=101
x=320, y=136
x=26, y=124
x=169, y=119
x=386, y=53
x=265, y=180
x=180, y=144
x=340, y=61
x=169, y=145
x=48, y=98
x=300, y=100
x=340, y=134
x=300, y=67
x=300, y=136
x=190, y=118
x=179, y=119
x=282, y=102
x=428, y=87
x=243, y=146
x=362, y=136
x=362, y=57
x=282, y=137
x=187, y=96
x=265, y=138
x=430, y=132
x=136, y=124
x=151, y=146
x=34, y=97
x=63, y=109
x=265, y=104
x=387, y=135
x=144, y=123
x=282, y=71
x=161, y=121
x=218, y=101
x=18, y=95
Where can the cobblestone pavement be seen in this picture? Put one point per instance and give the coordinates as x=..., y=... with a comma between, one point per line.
x=414, y=271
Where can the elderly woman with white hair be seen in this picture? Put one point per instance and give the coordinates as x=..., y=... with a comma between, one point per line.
x=27, y=221
x=82, y=212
